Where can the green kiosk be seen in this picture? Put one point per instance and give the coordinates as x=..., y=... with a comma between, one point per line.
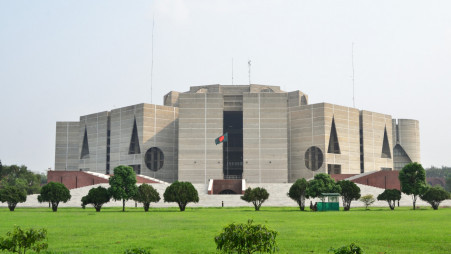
x=331, y=204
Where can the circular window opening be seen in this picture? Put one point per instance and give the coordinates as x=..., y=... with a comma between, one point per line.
x=154, y=158
x=313, y=158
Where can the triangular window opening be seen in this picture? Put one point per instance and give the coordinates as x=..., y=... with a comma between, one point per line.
x=85, y=146
x=385, y=146
x=134, y=142
x=334, y=146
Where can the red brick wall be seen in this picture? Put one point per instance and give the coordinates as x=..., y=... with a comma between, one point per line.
x=339, y=177
x=381, y=179
x=74, y=179
x=144, y=180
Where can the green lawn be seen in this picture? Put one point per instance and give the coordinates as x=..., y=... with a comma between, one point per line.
x=379, y=230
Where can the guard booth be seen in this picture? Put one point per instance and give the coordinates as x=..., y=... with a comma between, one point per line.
x=329, y=202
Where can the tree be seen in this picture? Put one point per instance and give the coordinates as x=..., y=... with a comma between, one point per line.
x=19, y=241
x=123, y=184
x=54, y=193
x=21, y=177
x=297, y=192
x=97, y=197
x=367, y=200
x=413, y=180
x=246, y=238
x=448, y=183
x=391, y=196
x=351, y=249
x=349, y=191
x=12, y=195
x=182, y=193
x=146, y=194
x=435, y=195
x=322, y=183
x=257, y=196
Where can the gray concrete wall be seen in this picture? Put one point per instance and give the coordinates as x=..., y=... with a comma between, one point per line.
x=373, y=135
x=200, y=123
x=265, y=136
x=66, y=146
x=408, y=136
x=96, y=125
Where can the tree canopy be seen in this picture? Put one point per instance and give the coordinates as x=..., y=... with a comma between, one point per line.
x=322, y=183
x=349, y=191
x=123, y=184
x=146, y=194
x=413, y=180
x=21, y=177
x=435, y=195
x=12, y=195
x=257, y=196
x=182, y=193
x=97, y=197
x=391, y=196
x=54, y=193
x=298, y=191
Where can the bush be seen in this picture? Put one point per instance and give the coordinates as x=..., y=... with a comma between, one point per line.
x=257, y=196
x=435, y=195
x=352, y=249
x=246, y=238
x=54, y=193
x=349, y=191
x=390, y=196
x=12, y=195
x=298, y=191
x=367, y=200
x=19, y=240
x=146, y=194
x=182, y=193
x=97, y=197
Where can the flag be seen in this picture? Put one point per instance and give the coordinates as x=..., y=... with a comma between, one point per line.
x=223, y=138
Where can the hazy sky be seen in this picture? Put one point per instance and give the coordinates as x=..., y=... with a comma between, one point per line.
x=63, y=59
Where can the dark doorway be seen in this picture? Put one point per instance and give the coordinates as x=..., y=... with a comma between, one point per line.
x=233, y=149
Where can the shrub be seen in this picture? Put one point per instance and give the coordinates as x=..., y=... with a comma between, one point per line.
x=19, y=241
x=349, y=191
x=435, y=195
x=146, y=194
x=297, y=192
x=257, y=196
x=54, y=193
x=246, y=238
x=367, y=200
x=352, y=249
x=12, y=195
x=182, y=193
x=390, y=196
x=97, y=197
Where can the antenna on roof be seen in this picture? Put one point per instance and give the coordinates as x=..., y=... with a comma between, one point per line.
x=353, y=93
x=249, y=64
x=232, y=71
x=151, y=64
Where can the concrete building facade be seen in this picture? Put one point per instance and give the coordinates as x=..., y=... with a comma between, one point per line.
x=273, y=137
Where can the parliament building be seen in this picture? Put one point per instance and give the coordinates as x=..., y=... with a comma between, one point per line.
x=273, y=137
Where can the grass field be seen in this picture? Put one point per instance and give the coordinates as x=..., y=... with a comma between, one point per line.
x=379, y=230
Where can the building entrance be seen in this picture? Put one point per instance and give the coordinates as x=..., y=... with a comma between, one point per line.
x=233, y=149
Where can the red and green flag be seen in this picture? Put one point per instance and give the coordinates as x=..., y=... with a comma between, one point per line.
x=223, y=138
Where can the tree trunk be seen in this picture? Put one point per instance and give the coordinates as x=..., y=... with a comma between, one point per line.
x=54, y=206
x=146, y=207
x=414, y=201
x=11, y=206
x=98, y=208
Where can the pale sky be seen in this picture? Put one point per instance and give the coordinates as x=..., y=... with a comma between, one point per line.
x=63, y=59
